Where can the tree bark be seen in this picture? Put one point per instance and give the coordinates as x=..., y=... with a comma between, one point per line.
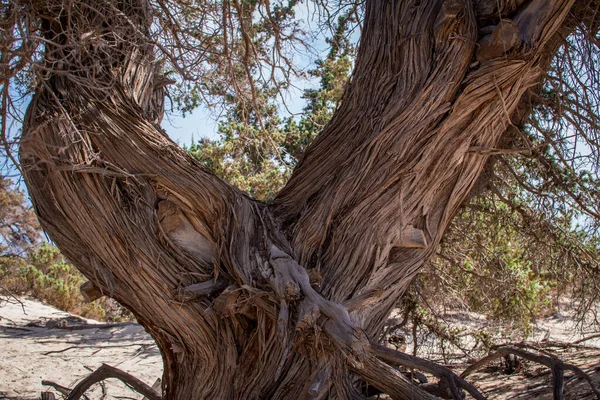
x=408, y=136
x=223, y=282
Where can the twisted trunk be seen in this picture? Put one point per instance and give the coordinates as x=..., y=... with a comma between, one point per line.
x=249, y=300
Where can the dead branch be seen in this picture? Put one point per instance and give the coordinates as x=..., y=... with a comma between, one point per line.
x=585, y=339
x=105, y=372
x=62, y=389
x=83, y=327
x=454, y=381
x=556, y=365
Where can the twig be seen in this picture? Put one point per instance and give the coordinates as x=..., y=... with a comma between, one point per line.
x=59, y=388
x=585, y=339
x=95, y=347
x=94, y=326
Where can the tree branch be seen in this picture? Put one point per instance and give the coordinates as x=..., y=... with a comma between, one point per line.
x=105, y=372
x=557, y=367
x=394, y=357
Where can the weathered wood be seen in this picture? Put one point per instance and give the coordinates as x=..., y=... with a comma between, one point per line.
x=198, y=290
x=48, y=396
x=504, y=38
x=362, y=300
x=180, y=230
x=140, y=218
x=558, y=383
x=339, y=327
x=320, y=381
x=90, y=292
x=156, y=387
x=106, y=371
x=413, y=238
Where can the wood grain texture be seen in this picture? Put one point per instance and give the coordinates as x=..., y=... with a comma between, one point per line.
x=142, y=219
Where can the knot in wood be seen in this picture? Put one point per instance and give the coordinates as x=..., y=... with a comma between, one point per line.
x=412, y=237
x=504, y=37
x=292, y=291
x=315, y=278
x=451, y=8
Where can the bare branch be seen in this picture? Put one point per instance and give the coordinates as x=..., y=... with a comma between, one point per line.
x=557, y=366
x=105, y=372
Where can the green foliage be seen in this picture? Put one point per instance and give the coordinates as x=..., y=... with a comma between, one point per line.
x=245, y=155
x=52, y=279
x=257, y=149
x=492, y=271
x=511, y=256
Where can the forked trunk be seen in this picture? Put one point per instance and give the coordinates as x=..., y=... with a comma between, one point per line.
x=249, y=300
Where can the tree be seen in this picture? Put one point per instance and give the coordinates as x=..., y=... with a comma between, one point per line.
x=18, y=226
x=282, y=299
x=19, y=231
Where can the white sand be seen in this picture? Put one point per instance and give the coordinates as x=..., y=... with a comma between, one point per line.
x=64, y=355
x=58, y=350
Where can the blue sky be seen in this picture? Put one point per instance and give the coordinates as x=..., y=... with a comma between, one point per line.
x=202, y=123
x=197, y=124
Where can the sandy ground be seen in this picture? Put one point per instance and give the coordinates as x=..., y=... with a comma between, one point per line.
x=553, y=335
x=38, y=342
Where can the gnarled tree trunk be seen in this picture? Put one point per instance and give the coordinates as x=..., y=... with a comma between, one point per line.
x=249, y=300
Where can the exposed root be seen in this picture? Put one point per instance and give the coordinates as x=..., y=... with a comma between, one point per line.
x=556, y=365
x=292, y=284
x=102, y=373
x=453, y=381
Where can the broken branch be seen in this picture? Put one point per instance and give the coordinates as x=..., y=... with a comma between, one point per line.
x=105, y=372
x=198, y=290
